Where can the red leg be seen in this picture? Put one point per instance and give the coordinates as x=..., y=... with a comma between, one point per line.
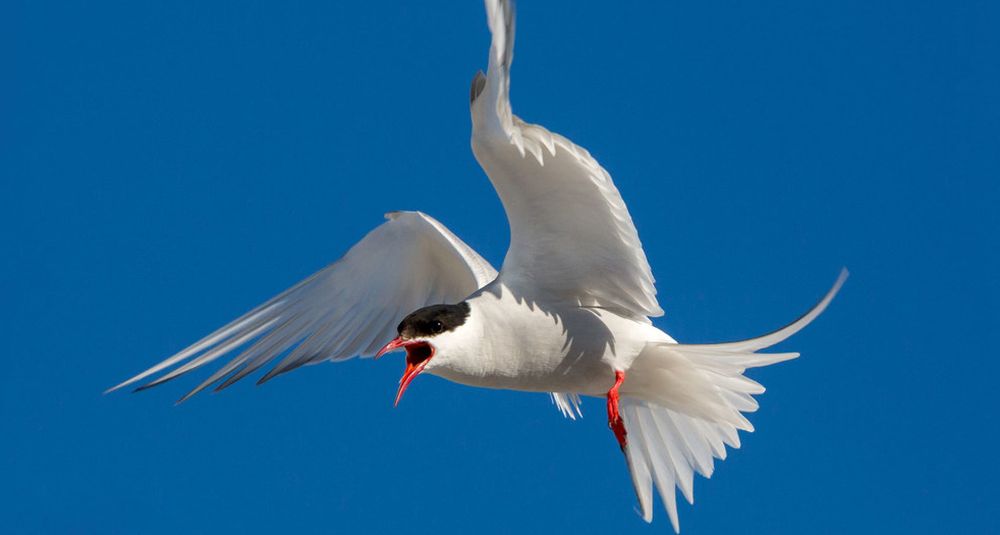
x=615, y=421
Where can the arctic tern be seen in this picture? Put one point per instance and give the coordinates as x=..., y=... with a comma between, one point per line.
x=568, y=313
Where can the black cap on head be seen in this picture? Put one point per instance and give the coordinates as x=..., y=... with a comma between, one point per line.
x=433, y=320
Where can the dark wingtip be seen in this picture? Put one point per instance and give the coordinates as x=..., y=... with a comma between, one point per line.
x=280, y=370
x=267, y=377
x=157, y=382
x=478, y=84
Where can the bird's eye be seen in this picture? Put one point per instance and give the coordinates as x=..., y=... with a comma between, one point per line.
x=437, y=327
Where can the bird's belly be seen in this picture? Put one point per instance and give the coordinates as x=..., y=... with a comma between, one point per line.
x=538, y=372
x=531, y=348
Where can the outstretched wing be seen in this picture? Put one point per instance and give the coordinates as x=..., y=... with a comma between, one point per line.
x=572, y=238
x=349, y=308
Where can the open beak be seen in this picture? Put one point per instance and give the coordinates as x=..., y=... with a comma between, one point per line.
x=395, y=344
x=418, y=354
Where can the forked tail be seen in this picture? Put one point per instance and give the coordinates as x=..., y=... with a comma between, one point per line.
x=684, y=403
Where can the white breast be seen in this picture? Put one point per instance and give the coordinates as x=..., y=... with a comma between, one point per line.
x=510, y=341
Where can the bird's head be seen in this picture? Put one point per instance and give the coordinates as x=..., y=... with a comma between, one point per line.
x=423, y=334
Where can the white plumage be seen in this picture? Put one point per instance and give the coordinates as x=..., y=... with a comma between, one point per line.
x=349, y=308
x=567, y=314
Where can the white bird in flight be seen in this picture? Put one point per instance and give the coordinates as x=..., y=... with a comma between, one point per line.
x=567, y=314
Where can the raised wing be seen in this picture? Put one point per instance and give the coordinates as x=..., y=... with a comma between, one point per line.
x=572, y=238
x=349, y=308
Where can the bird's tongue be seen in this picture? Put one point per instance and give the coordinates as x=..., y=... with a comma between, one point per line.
x=418, y=354
x=412, y=370
x=417, y=357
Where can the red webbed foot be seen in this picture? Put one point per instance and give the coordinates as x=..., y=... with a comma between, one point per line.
x=615, y=421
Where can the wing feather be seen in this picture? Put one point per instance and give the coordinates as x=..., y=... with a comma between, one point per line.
x=572, y=238
x=349, y=308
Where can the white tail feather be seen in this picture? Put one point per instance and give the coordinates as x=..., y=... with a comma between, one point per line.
x=684, y=403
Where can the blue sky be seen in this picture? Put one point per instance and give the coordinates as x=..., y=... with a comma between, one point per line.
x=165, y=166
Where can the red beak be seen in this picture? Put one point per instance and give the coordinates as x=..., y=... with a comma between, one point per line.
x=395, y=344
x=418, y=354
